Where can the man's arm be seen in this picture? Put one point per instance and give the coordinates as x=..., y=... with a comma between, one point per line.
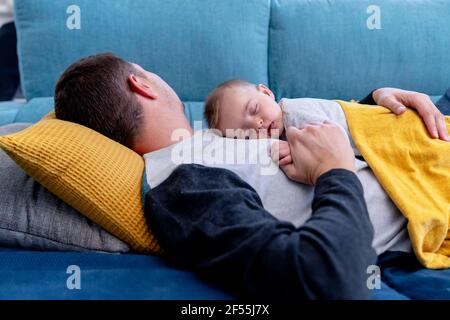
x=210, y=220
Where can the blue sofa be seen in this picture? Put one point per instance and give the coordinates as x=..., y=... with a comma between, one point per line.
x=325, y=48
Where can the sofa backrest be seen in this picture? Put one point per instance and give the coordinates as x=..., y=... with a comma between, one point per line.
x=346, y=48
x=194, y=45
x=301, y=48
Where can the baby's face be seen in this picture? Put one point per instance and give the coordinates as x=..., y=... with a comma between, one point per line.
x=252, y=110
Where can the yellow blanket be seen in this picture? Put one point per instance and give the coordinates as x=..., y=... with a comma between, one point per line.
x=413, y=169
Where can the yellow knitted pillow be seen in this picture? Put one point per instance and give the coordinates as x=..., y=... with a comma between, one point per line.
x=95, y=175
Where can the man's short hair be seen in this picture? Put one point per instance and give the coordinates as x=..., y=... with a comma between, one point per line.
x=94, y=92
x=212, y=104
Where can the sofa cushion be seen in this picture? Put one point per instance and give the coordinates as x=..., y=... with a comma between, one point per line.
x=194, y=112
x=97, y=176
x=333, y=49
x=8, y=111
x=443, y=103
x=33, y=218
x=34, y=110
x=43, y=275
x=193, y=45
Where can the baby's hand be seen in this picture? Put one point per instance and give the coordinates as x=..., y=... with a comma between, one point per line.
x=284, y=152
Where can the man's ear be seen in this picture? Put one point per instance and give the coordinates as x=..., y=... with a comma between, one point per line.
x=142, y=87
x=262, y=88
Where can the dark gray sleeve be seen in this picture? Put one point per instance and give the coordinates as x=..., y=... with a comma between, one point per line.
x=211, y=221
x=368, y=99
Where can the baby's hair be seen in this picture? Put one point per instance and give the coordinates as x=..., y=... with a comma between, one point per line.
x=212, y=106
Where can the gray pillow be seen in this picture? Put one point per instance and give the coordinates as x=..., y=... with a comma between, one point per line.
x=33, y=218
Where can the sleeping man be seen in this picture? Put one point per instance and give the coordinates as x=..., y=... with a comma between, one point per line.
x=216, y=218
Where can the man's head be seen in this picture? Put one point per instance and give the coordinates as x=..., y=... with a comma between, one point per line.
x=245, y=107
x=120, y=100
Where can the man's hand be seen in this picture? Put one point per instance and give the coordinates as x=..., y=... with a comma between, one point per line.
x=398, y=100
x=284, y=152
x=315, y=150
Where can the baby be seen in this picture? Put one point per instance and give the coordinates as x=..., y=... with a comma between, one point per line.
x=239, y=109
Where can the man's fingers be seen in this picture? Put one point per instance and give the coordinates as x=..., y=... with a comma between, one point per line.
x=419, y=101
x=433, y=118
x=284, y=151
x=396, y=107
x=430, y=123
x=427, y=110
x=289, y=170
x=275, y=152
x=439, y=130
x=441, y=127
x=280, y=154
x=285, y=161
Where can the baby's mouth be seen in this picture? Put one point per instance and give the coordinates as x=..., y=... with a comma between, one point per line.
x=266, y=132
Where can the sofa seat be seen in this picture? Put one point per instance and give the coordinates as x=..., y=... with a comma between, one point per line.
x=45, y=275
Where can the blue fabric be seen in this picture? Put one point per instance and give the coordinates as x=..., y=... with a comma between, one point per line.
x=8, y=111
x=194, y=45
x=444, y=103
x=435, y=98
x=144, y=187
x=403, y=272
x=385, y=292
x=42, y=275
x=324, y=48
x=34, y=110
